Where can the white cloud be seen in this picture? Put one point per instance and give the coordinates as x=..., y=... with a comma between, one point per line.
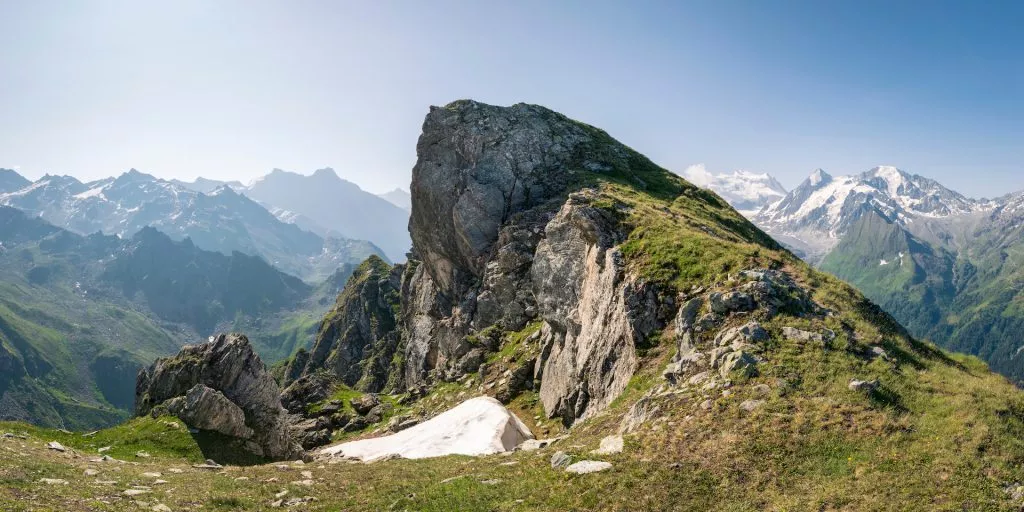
x=698, y=175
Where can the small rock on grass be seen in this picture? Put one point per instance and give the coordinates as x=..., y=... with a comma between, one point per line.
x=135, y=492
x=751, y=405
x=91, y=472
x=53, y=481
x=55, y=446
x=560, y=460
x=588, y=466
x=160, y=507
x=864, y=385
x=610, y=445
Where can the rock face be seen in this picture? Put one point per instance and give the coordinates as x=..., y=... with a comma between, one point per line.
x=478, y=426
x=500, y=243
x=594, y=316
x=220, y=386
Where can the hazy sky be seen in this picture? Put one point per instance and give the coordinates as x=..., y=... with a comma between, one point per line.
x=231, y=89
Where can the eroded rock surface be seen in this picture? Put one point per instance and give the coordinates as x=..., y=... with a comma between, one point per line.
x=207, y=385
x=594, y=315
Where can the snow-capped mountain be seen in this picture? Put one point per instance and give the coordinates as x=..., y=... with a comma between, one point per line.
x=327, y=204
x=222, y=220
x=746, y=191
x=206, y=185
x=814, y=216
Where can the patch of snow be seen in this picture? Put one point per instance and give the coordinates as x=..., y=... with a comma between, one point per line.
x=883, y=262
x=93, y=192
x=478, y=426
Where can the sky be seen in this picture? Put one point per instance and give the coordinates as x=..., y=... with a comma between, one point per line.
x=231, y=89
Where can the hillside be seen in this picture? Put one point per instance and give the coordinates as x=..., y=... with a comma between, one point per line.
x=80, y=315
x=612, y=298
x=943, y=264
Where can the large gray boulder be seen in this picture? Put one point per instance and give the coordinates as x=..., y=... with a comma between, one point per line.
x=207, y=385
x=208, y=409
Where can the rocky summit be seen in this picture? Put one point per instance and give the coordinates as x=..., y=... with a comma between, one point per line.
x=665, y=353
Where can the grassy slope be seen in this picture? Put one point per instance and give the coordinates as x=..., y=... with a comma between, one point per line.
x=969, y=302
x=943, y=433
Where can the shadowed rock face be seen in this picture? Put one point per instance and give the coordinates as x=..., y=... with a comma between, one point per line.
x=208, y=385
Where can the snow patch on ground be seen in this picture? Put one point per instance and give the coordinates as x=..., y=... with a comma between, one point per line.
x=478, y=426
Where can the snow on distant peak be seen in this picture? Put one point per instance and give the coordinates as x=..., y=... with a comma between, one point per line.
x=819, y=211
x=745, y=190
x=92, y=192
x=818, y=177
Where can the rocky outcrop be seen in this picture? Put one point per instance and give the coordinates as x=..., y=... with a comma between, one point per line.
x=594, y=314
x=506, y=236
x=713, y=348
x=487, y=181
x=208, y=385
x=207, y=409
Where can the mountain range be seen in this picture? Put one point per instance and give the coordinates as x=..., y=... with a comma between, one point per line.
x=945, y=265
x=332, y=207
x=221, y=219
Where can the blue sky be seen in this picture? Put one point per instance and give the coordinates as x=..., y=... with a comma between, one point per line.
x=231, y=89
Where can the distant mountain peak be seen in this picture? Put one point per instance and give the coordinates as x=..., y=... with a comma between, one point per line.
x=818, y=177
x=325, y=201
x=10, y=181
x=745, y=190
x=815, y=215
x=326, y=172
x=398, y=197
x=134, y=175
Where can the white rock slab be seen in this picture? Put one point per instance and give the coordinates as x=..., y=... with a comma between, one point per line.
x=610, y=445
x=478, y=426
x=588, y=466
